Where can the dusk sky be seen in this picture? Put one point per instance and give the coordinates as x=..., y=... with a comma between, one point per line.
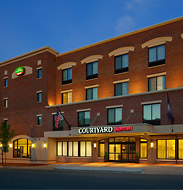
x=26, y=25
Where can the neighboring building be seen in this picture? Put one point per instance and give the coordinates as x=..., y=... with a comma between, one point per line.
x=113, y=94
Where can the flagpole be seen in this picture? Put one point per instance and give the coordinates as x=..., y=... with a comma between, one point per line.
x=64, y=119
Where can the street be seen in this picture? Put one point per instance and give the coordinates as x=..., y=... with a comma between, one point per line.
x=42, y=179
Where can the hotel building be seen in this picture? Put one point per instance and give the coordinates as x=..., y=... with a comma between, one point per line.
x=113, y=96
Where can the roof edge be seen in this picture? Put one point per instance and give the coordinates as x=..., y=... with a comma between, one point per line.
x=123, y=35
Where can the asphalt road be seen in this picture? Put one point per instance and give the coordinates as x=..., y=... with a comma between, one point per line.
x=39, y=179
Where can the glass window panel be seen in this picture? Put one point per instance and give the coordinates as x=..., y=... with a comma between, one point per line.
x=39, y=120
x=82, y=148
x=102, y=150
x=118, y=148
x=95, y=68
x=152, y=84
x=143, y=150
x=75, y=152
x=69, y=74
x=118, y=63
x=156, y=111
x=95, y=93
x=89, y=94
x=88, y=148
x=87, y=118
x=69, y=97
x=64, y=75
x=118, y=89
x=89, y=69
x=111, y=148
x=70, y=148
x=180, y=151
x=64, y=98
x=5, y=82
x=81, y=118
x=111, y=116
x=152, y=54
x=162, y=149
x=125, y=61
x=161, y=52
x=160, y=83
x=39, y=73
x=59, y=148
x=147, y=112
x=118, y=115
x=111, y=156
x=125, y=88
x=64, y=148
x=170, y=149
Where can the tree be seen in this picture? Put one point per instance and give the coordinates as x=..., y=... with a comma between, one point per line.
x=6, y=134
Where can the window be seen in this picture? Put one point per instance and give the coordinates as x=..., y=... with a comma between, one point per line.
x=22, y=148
x=121, y=89
x=39, y=73
x=180, y=149
x=39, y=120
x=157, y=55
x=92, y=70
x=84, y=118
x=121, y=63
x=39, y=96
x=5, y=102
x=60, y=125
x=5, y=82
x=6, y=121
x=76, y=148
x=166, y=149
x=66, y=97
x=115, y=116
x=143, y=148
x=152, y=114
x=156, y=83
x=67, y=76
x=101, y=148
x=91, y=93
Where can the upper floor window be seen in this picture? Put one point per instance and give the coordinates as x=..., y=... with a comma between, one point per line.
x=156, y=83
x=121, y=63
x=5, y=102
x=39, y=96
x=39, y=73
x=121, y=89
x=92, y=70
x=66, y=97
x=60, y=125
x=67, y=76
x=39, y=120
x=5, y=82
x=114, y=116
x=84, y=118
x=152, y=114
x=157, y=55
x=91, y=93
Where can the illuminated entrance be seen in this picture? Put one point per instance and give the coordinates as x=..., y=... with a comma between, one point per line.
x=122, y=149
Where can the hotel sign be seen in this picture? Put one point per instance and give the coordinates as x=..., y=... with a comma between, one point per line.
x=100, y=130
x=19, y=71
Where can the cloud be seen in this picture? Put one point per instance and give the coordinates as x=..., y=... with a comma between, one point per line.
x=138, y=5
x=125, y=24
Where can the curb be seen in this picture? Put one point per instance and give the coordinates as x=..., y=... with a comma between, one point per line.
x=99, y=169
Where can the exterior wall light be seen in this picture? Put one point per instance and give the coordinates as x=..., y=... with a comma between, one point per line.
x=45, y=145
x=1, y=145
x=95, y=145
x=33, y=145
x=10, y=145
x=152, y=144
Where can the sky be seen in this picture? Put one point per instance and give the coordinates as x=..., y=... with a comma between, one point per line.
x=64, y=25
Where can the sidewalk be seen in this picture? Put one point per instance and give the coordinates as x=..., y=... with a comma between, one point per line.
x=163, y=169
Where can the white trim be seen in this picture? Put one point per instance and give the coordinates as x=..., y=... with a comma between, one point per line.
x=91, y=58
x=121, y=51
x=156, y=75
x=93, y=86
x=151, y=102
x=88, y=109
x=64, y=91
x=116, y=106
x=5, y=77
x=66, y=65
x=39, y=68
x=39, y=91
x=5, y=119
x=39, y=62
x=56, y=113
x=121, y=81
x=39, y=115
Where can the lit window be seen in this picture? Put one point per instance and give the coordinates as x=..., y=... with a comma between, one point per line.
x=143, y=148
x=157, y=55
x=152, y=114
x=84, y=118
x=92, y=70
x=121, y=63
x=39, y=73
x=156, y=83
x=180, y=150
x=67, y=76
x=5, y=102
x=66, y=97
x=39, y=120
x=91, y=93
x=101, y=148
x=121, y=89
x=39, y=96
x=114, y=116
x=5, y=82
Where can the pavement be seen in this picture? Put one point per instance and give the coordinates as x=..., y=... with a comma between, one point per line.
x=163, y=169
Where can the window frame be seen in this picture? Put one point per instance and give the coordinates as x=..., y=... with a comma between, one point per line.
x=84, y=125
x=143, y=142
x=62, y=93
x=91, y=93
x=114, y=123
x=39, y=69
x=121, y=83
x=92, y=76
x=39, y=124
x=5, y=102
x=122, y=69
x=61, y=124
x=67, y=81
x=38, y=93
x=5, y=82
x=157, y=62
x=156, y=77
